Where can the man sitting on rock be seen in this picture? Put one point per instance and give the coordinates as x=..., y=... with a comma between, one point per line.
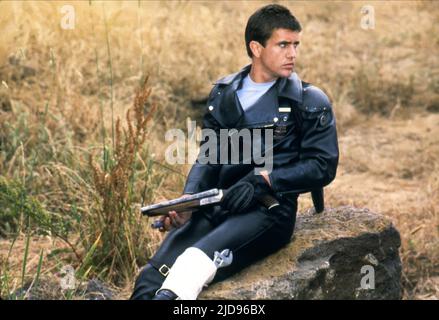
x=258, y=213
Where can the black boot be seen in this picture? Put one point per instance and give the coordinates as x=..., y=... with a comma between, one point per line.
x=147, y=283
x=165, y=294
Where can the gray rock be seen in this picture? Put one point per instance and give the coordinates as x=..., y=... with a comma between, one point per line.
x=333, y=255
x=50, y=289
x=98, y=290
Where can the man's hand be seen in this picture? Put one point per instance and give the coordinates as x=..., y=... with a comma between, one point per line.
x=175, y=219
x=246, y=191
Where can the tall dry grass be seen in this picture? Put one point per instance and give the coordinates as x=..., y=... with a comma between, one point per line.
x=117, y=223
x=62, y=91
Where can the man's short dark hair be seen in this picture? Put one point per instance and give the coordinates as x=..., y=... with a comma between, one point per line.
x=263, y=22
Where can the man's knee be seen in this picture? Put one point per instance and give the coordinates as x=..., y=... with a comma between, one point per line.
x=285, y=222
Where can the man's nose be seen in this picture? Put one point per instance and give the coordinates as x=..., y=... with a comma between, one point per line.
x=292, y=53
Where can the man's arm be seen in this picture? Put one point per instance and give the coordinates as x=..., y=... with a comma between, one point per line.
x=204, y=176
x=318, y=155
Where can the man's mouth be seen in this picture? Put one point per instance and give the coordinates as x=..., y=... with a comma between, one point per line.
x=289, y=65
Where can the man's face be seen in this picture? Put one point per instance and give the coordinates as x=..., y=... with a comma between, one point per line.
x=278, y=57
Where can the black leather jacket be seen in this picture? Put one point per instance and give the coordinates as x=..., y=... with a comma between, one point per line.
x=305, y=152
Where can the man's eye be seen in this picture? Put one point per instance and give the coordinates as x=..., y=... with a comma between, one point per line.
x=283, y=45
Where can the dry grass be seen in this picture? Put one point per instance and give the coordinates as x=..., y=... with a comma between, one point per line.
x=117, y=221
x=62, y=91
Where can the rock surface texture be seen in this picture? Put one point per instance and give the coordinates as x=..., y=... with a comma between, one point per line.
x=342, y=253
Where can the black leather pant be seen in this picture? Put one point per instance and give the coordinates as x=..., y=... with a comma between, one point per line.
x=251, y=236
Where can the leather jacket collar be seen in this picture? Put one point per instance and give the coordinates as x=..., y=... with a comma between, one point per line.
x=290, y=87
x=225, y=106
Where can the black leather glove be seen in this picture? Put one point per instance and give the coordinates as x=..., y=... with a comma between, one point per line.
x=244, y=194
x=238, y=197
x=259, y=184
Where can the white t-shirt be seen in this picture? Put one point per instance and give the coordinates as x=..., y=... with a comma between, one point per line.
x=251, y=91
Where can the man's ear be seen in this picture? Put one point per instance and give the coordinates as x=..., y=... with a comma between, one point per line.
x=256, y=48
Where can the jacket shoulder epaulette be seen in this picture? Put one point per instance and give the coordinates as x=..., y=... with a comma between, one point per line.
x=314, y=99
x=228, y=79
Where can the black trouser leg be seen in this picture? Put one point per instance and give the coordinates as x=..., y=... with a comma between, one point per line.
x=250, y=236
x=177, y=240
x=147, y=283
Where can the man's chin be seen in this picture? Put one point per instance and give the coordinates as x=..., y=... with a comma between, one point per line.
x=285, y=73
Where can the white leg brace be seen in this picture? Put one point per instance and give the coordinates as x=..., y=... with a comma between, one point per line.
x=191, y=271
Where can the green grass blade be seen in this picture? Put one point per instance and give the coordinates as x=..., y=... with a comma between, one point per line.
x=40, y=263
x=26, y=253
x=87, y=260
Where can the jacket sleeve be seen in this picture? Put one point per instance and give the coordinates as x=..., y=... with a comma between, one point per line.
x=318, y=155
x=204, y=174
